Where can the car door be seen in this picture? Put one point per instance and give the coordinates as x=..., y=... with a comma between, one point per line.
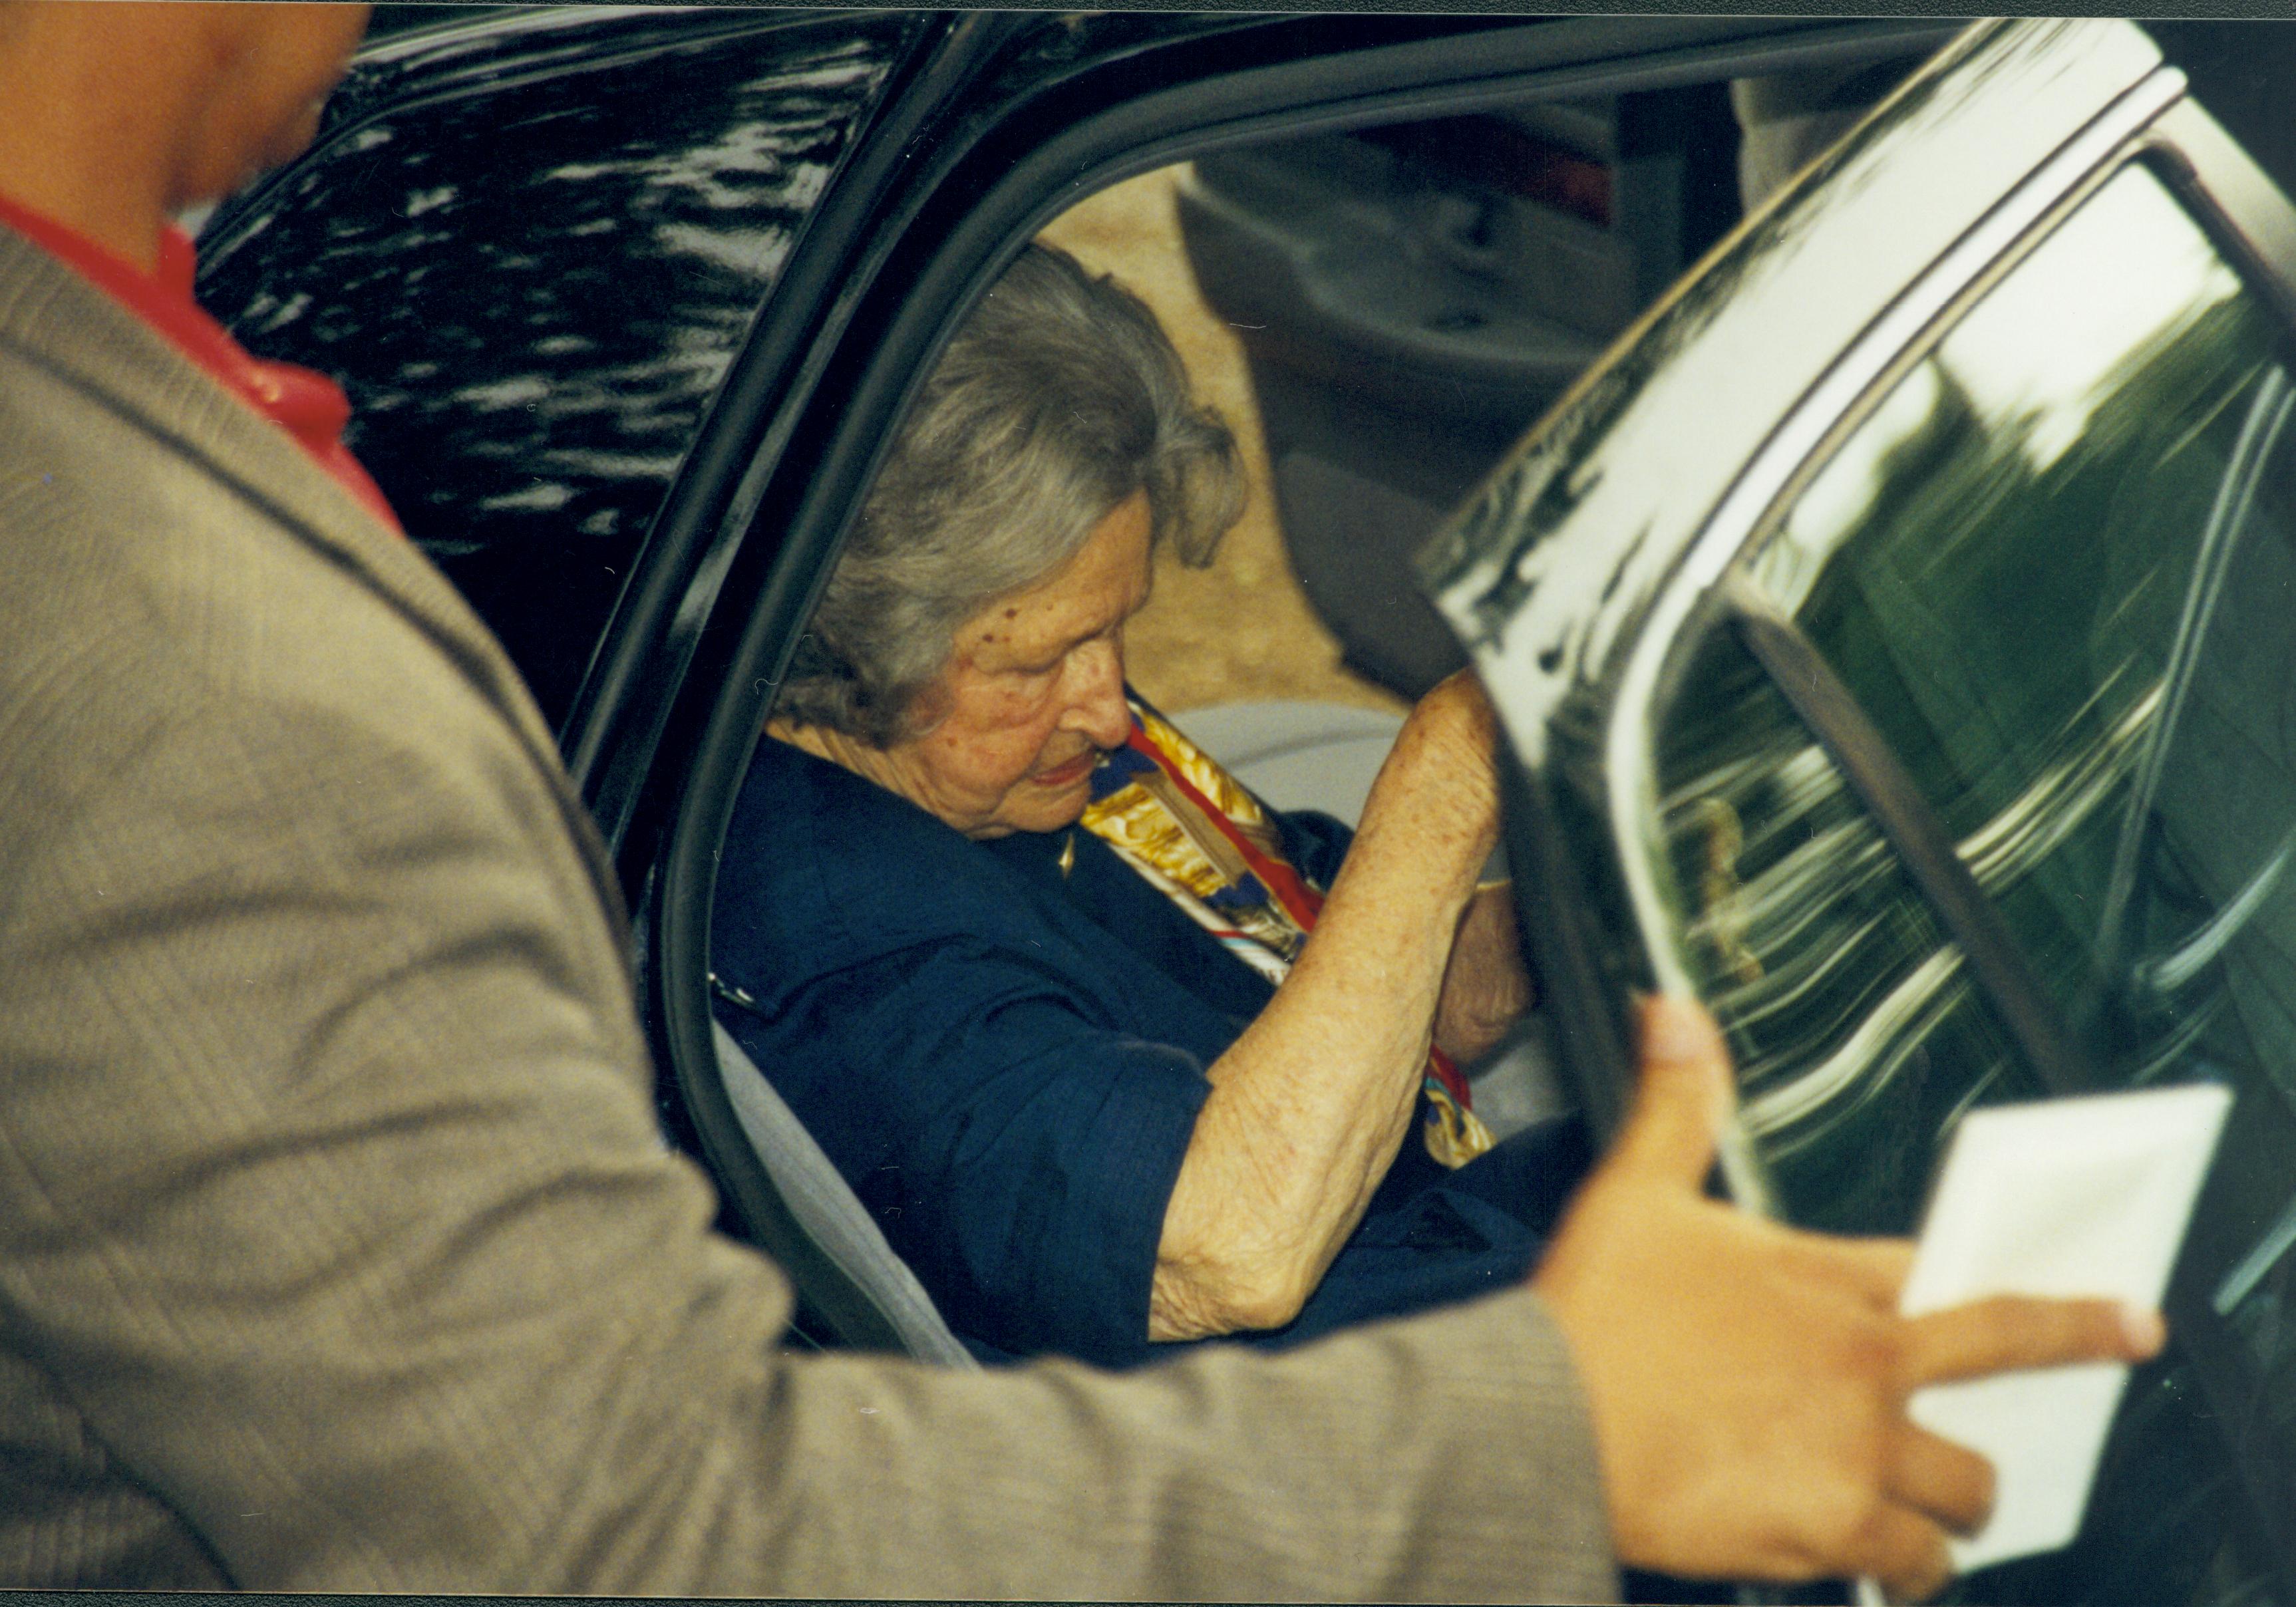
x=532, y=248
x=1895, y=640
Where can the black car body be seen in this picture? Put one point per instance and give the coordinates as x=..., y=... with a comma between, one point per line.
x=630, y=302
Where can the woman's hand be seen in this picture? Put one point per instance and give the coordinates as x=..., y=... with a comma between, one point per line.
x=1454, y=755
x=1309, y=1105
x=1485, y=987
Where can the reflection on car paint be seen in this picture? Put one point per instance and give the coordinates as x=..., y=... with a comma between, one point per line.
x=1631, y=455
x=437, y=239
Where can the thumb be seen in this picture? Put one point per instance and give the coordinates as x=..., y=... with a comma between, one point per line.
x=1685, y=1088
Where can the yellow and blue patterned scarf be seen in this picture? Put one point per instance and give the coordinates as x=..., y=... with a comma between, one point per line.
x=1200, y=839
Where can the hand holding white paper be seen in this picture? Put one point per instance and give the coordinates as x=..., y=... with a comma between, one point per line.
x=2071, y=1198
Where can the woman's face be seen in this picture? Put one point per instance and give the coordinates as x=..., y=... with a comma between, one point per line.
x=1032, y=695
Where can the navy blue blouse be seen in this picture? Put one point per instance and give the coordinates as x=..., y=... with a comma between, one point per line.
x=1005, y=1060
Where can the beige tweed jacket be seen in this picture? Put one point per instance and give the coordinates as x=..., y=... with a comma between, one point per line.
x=339, y=1249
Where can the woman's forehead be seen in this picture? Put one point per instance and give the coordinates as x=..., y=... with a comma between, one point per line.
x=1107, y=580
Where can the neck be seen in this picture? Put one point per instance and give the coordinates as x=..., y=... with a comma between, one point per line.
x=846, y=752
x=94, y=137
x=128, y=228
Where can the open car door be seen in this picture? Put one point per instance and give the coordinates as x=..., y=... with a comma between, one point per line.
x=1895, y=635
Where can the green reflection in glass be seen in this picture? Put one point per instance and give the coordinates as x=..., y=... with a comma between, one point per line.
x=1851, y=1020
x=2005, y=562
x=2054, y=567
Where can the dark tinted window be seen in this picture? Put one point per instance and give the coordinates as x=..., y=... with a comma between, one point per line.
x=2054, y=567
x=1858, y=1032
x=532, y=289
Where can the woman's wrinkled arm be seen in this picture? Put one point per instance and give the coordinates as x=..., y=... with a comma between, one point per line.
x=1311, y=1105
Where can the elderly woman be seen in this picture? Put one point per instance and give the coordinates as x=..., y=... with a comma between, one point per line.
x=1118, y=1055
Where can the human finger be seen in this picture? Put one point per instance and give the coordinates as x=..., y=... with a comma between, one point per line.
x=1948, y=1482
x=2012, y=1333
x=1905, y=1552
x=1683, y=1088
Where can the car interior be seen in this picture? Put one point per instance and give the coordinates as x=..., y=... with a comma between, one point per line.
x=1380, y=313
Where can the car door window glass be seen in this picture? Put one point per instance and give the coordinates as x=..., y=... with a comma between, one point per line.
x=2002, y=559
x=2004, y=563
x=2054, y=567
x=1852, y=1017
x=532, y=291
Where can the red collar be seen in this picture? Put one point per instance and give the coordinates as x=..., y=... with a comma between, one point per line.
x=308, y=405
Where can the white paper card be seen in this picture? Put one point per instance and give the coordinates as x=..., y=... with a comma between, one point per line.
x=2068, y=1198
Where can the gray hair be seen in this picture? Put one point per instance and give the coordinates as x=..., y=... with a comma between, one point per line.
x=1059, y=400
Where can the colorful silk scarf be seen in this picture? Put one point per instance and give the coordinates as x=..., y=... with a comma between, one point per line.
x=1198, y=837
